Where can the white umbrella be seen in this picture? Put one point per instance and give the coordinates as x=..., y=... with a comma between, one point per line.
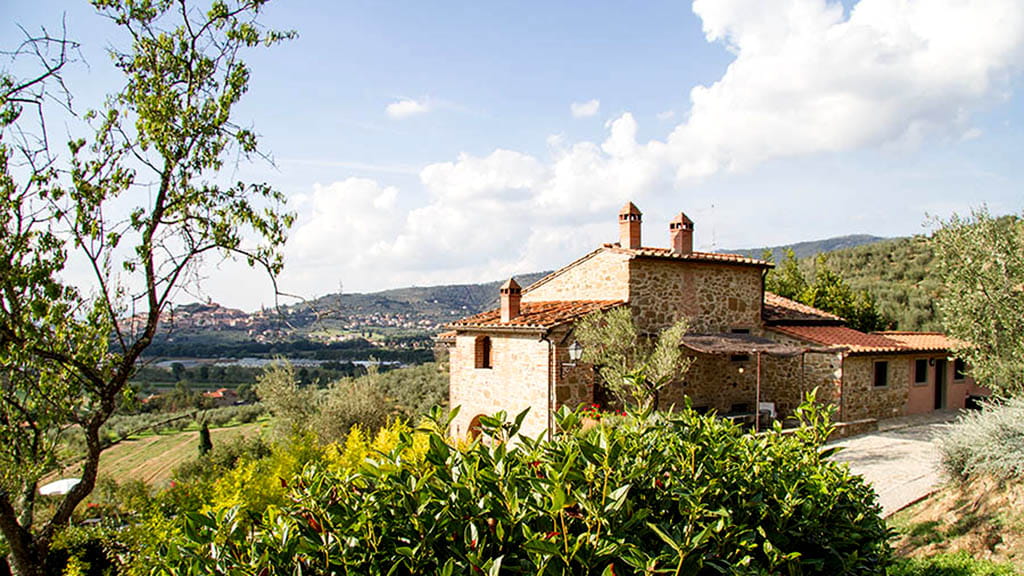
x=59, y=487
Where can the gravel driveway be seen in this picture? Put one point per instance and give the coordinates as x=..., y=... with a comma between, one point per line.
x=901, y=460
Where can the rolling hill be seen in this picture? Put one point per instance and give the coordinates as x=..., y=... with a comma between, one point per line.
x=895, y=270
x=811, y=248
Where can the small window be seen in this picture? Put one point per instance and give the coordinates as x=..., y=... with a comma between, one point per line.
x=921, y=371
x=483, y=352
x=741, y=330
x=740, y=357
x=959, y=369
x=881, y=374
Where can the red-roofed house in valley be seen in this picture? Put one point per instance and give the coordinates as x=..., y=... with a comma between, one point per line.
x=222, y=396
x=754, y=351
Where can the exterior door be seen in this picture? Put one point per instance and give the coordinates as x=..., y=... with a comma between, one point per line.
x=940, y=384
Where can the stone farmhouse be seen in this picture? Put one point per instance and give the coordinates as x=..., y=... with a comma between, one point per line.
x=756, y=353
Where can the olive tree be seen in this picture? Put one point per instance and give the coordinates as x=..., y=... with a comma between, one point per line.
x=633, y=365
x=138, y=202
x=981, y=263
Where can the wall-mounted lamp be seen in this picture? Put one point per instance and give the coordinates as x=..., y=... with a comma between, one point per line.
x=931, y=361
x=740, y=370
x=575, y=353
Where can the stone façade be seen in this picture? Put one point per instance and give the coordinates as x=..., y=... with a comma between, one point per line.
x=530, y=365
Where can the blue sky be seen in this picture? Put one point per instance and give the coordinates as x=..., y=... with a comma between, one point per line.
x=442, y=142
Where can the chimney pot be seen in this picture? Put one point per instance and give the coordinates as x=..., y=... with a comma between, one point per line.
x=680, y=231
x=511, y=296
x=630, y=219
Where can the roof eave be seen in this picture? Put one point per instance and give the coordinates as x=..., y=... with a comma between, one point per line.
x=529, y=328
x=795, y=322
x=684, y=258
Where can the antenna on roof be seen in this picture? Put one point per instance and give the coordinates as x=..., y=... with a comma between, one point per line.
x=714, y=230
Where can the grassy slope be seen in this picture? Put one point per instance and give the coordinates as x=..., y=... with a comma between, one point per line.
x=153, y=458
x=983, y=519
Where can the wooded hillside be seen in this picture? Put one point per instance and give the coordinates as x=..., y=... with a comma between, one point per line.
x=898, y=273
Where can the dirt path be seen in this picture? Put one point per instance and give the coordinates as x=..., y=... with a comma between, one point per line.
x=900, y=462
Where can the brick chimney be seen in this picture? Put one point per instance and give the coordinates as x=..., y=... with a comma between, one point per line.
x=511, y=295
x=629, y=226
x=680, y=232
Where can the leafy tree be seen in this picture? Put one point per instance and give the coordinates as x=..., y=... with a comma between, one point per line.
x=293, y=406
x=139, y=202
x=328, y=414
x=786, y=280
x=350, y=402
x=205, y=443
x=828, y=292
x=831, y=293
x=981, y=262
x=634, y=366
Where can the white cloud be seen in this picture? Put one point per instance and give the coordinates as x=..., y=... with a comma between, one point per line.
x=348, y=222
x=585, y=109
x=407, y=107
x=806, y=79
x=503, y=172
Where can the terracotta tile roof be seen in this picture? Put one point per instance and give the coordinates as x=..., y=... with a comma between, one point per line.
x=444, y=337
x=780, y=310
x=533, y=315
x=647, y=252
x=925, y=341
x=841, y=336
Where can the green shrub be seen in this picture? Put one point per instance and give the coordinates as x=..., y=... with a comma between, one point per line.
x=958, y=564
x=986, y=443
x=347, y=403
x=680, y=493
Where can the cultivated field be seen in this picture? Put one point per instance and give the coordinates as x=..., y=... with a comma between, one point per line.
x=153, y=458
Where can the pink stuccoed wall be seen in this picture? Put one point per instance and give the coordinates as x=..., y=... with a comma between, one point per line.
x=921, y=397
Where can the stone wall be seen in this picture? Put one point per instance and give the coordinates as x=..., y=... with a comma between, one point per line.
x=517, y=380
x=862, y=399
x=603, y=275
x=720, y=382
x=574, y=383
x=821, y=370
x=713, y=382
x=715, y=297
x=786, y=380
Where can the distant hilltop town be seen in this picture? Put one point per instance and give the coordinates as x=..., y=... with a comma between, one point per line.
x=268, y=325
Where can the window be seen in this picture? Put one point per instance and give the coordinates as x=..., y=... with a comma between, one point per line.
x=959, y=369
x=483, y=352
x=739, y=357
x=881, y=374
x=741, y=330
x=921, y=371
